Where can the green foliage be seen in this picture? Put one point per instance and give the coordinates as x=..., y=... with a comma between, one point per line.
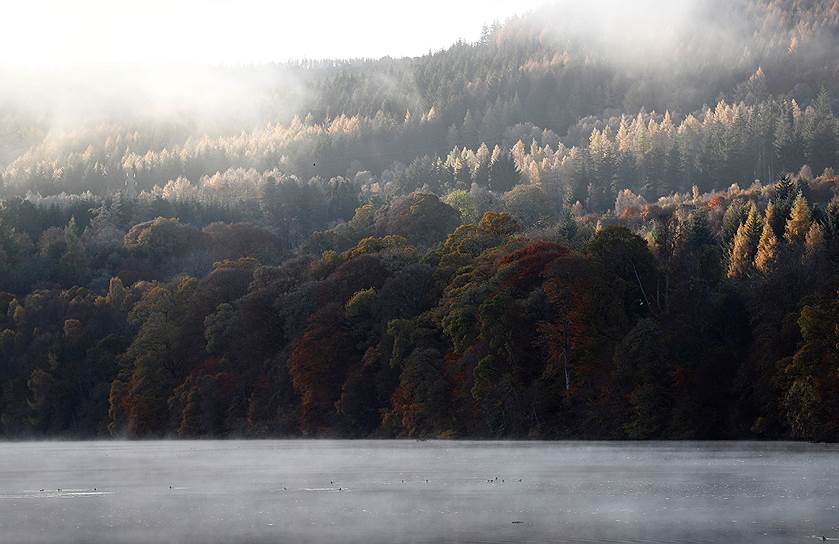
x=421, y=218
x=434, y=263
x=810, y=376
x=486, y=333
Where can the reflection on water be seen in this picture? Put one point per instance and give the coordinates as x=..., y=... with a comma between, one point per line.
x=370, y=492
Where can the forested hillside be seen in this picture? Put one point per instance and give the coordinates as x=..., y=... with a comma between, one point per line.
x=570, y=228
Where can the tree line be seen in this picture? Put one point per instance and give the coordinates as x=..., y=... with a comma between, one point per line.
x=712, y=315
x=526, y=236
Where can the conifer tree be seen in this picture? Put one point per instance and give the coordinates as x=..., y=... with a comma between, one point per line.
x=738, y=265
x=786, y=189
x=819, y=133
x=799, y=221
x=503, y=174
x=767, y=246
x=74, y=260
x=754, y=226
x=771, y=219
x=697, y=231
x=786, y=144
x=624, y=138
x=814, y=241
x=744, y=245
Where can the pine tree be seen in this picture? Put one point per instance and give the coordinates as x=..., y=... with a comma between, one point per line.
x=799, y=221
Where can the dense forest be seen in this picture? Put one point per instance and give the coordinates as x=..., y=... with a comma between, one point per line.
x=542, y=234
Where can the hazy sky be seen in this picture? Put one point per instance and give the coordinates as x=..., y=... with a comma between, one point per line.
x=55, y=33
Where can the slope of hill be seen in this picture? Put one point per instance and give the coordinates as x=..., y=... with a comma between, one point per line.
x=593, y=222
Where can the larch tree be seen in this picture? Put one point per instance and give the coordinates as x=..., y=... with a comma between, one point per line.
x=814, y=241
x=744, y=245
x=771, y=217
x=739, y=263
x=767, y=246
x=799, y=221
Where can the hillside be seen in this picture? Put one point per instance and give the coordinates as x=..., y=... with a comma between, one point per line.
x=590, y=223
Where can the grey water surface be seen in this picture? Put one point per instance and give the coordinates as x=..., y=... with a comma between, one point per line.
x=376, y=492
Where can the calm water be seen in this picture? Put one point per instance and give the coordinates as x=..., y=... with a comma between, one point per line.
x=353, y=491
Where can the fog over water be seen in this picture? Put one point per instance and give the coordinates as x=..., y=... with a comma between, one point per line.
x=353, y=491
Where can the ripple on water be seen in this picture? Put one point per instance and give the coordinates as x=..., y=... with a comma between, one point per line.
x=52, y=494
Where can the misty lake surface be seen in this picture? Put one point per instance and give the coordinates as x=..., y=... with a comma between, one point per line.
x=376, y=492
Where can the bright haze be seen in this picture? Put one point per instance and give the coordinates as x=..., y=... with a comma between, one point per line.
x=206, y=59
x=57, y=33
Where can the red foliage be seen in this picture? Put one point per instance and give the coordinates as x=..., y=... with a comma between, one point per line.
x=715, y=201
x=529, y=262
x=318, y=365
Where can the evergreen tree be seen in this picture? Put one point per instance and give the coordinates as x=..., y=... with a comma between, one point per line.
x=74, y=260
x=503, y=174
x=469, y=130
x=786, y=142
x=820, y=133
x=697, y=230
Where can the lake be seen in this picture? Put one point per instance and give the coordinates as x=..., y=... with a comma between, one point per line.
x=407, y=491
